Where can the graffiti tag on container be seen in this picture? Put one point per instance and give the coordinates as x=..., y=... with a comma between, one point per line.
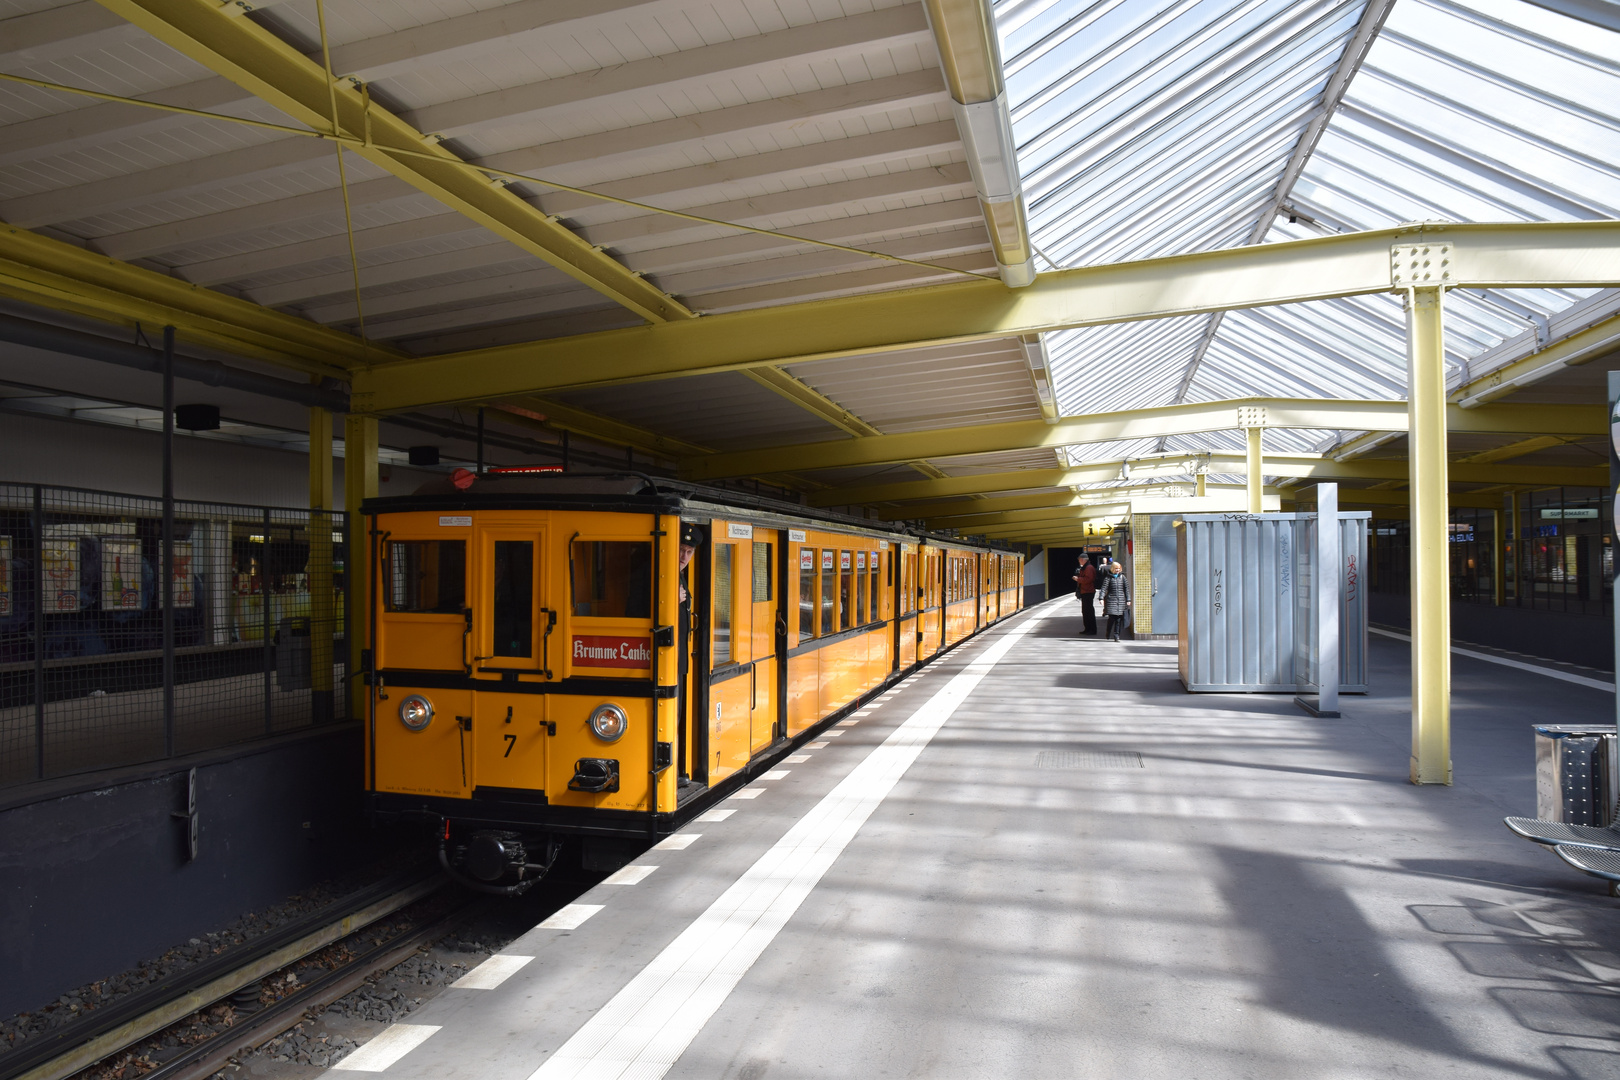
x=1285, y=574
x=1218, y=590
x=1351, y=579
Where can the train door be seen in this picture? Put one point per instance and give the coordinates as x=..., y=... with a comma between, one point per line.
x=742, y=647
x=766, y=616
x=511, y=635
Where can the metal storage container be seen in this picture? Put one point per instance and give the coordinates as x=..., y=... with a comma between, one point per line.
x=1244, y=598
x=1576, y=767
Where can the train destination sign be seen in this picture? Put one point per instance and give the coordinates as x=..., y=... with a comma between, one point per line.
x=593, y=650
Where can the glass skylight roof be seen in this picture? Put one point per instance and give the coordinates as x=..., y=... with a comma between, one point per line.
x=1151, y=129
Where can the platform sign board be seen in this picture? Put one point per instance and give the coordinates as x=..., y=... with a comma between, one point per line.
x=120, y=574
x=6, y=607
x=61, y=559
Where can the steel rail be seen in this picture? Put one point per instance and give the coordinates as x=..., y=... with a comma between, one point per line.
x=258, y=1028
x=120, y=1024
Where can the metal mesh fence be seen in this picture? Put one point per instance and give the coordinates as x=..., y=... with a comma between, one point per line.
x=89, y=679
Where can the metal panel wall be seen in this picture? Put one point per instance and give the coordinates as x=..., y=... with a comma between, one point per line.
x=1243, y=599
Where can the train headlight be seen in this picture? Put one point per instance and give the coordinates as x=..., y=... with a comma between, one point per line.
x=416, y=712
x=608, y=722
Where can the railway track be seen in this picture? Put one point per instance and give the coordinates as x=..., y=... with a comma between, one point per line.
x=124, y=1023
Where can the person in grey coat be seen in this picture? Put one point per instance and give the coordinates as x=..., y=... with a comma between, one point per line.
x=1115, y=594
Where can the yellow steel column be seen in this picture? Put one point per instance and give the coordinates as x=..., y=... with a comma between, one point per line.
x=1254, y=465
x=1431, y=571
x=1498, y=558
x=359, y=484
x=322, y=624
x=1200, y=488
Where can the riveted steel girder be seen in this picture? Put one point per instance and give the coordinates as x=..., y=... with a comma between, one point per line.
x=260, y=62
x=1140, y=424
x=1575, y=254
x=63, y=277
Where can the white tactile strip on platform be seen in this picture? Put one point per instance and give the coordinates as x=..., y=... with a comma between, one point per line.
x=633, y=874
x=395, y=1042
x=492, y=972
x=570, y=916
x=678, y=842
x=650, y=1022
x=748, y=793
x=718, y=814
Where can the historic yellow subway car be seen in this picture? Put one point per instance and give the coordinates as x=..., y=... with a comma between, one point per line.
x=548, y=659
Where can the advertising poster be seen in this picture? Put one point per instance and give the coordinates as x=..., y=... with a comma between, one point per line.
x=120, y=574
x=5, y=576
x=185, y=592
x=61, y=576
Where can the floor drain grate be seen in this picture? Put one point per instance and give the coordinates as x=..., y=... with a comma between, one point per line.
x=1088, y=759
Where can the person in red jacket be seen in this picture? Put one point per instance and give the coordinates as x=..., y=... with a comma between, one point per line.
x=1085, y=589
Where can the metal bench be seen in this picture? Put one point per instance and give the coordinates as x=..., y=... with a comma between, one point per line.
x=1599, y=862
x=1554, y=833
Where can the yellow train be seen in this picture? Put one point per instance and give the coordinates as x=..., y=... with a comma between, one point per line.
x=606, y=656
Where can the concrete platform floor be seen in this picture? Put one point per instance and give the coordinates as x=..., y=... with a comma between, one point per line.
x=1260, y=895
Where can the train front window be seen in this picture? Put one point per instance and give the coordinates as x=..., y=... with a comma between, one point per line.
x=807, y=593
x=722, y=604
x=426, y=575
x=513, y=600
x=611, y=579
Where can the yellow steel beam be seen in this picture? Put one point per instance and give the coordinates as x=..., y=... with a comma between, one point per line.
x=255, y=59
x=968, y=515
x=815, y=402
x=1579, y=348
x=553, y=415
x=1369, y=497
x=1517, y=448
x=1575, y=254
x=63, y=277
x=1138, y=424
x=937, y=493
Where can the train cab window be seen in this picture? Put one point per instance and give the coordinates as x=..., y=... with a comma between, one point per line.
x=762, y=573
x=611, y=579
x=807, y=594
x=426, y=575
x=722, y=603
x=861, y=618
x=846, y=582
x=514, y=598
x=829, y=590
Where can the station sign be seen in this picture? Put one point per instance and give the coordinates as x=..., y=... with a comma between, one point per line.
x=1569, y=513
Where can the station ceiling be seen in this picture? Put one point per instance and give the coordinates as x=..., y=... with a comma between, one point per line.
x=809, y=151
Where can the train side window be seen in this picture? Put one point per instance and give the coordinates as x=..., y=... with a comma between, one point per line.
x=829, y=589
x=762, y=573
x=860, y=589
x=807, y=594
x=846, y=605
x=514, y=598
x=611, y=579
x=722, y=603
x=427, y=575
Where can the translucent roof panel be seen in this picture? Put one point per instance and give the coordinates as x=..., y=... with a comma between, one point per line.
x=1157, y=128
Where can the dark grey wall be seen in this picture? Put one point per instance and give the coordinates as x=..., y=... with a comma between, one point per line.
x=1574, y=639
x=93, y=881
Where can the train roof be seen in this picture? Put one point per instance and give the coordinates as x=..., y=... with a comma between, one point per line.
x=632, y=492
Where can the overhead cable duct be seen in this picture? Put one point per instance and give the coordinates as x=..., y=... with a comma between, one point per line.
x=38, y=335
x=970, y=56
